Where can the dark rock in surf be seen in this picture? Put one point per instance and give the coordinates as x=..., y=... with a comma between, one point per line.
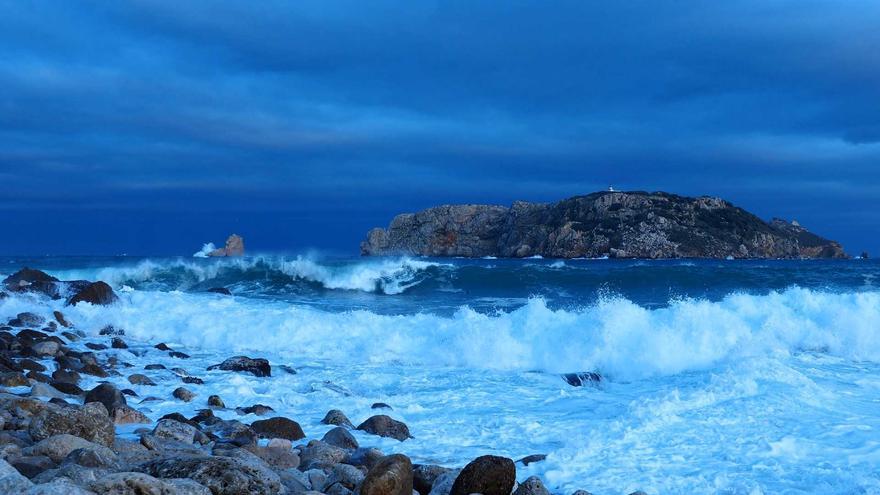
x=27, y=276
x=59, y=317
x=614, y=224
x=278, y=427
x=98, y=293
x=108, y=395
x=488, y=475
x=118, y=343
x=532, y=458
x=582, y=379
x=178, y=355
x=258, y=409
x=111, y=330
x=424, y=476
x=385, y=426
x=338, y=418
x=254, y=366
x=381, y=405
x=532, y=486
x=220, y=290
x=341, y=437
x=216, y=401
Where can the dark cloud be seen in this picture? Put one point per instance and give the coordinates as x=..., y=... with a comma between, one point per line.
x=305, y=123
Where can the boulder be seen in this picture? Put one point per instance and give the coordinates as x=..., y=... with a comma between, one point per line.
x=139, y=379
x=424, y=476
x=278, y=427
x=532, y=486
x=32, y=465
x=183, y=394
x=30, y=320
x=344, y=476
x=14, y=379
x=320, y=455
x=59, y=317
x=582, y=379
x=118, y=343
x=175, y=430
x=11, y=481
x=222, y=475
x=341, y=437
x=98, y=293
x=128, y=483
x=95, y=458
x=443, y=484
x=338, y=418
x=216, y=401
x=220, y=290
x=532, y=458
x=254, y=366
x=125, y=415
x=57, y=447
x=258, y=409
x=59, y=486
x=108, y=395
x=489, y=475
x=385, y=426
x=28, y=276
x=91, y=422
x=392, y=475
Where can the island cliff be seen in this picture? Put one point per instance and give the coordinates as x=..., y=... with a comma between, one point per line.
x=614, y=224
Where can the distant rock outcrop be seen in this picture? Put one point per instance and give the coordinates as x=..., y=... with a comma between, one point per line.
x=234, y=247
x=613, y=224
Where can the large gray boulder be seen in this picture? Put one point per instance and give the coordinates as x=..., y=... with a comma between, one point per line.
x=90, y=422
x=489, y=475
x=393, y=475
x=222, y=475
x=58, y=447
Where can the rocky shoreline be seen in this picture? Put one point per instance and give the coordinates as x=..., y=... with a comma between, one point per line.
x=59, y=438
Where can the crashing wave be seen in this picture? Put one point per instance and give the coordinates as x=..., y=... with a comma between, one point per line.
x=206, y=249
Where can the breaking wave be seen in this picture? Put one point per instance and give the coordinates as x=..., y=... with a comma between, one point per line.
x=619, y=338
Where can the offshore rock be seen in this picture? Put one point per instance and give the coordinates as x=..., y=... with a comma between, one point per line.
x=98, y=293
x=613, y=224
x=234, y=247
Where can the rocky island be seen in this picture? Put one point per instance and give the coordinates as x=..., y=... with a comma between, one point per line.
x=614, y=224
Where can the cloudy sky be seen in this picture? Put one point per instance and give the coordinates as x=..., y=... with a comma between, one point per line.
x=149, y=127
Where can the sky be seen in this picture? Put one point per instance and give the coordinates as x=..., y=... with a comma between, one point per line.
x=151, y=127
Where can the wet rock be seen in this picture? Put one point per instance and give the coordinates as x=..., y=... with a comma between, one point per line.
x=125, y=415
x=340, y=437
x=220, y=290
x=443, y=484
x=162, y=346
x=385, y=426
x=216, y=401
x=488, y=475
x=345, y=476
x=338, y=418
x=94, y=370
x=58, y=447
x=193, y=380
x=118, y=343
x=178, y=355
x=102, y=457
x=532, y=458
x=183, y=394
x=67, y=388
x=276, y=457
x=582, y=379
x=32, y=465
x=424, y=476
x=111, y=330
x=43, y=390
x=108, y=395
x=60, y=486
x=366, y=457
x=638, y=492
x=70, y=336
x=91, y=422
x=258, y=409
x=392, y=475
x=175, y=430
x=29, y=320
x=532, y=486
x=381, y=405
x=183, y=486
x=46, y=348
x=320, y=455
x=129, y=483
x=31, y=365
x=14, y=379
x=139, y=379
x=255, y=366
x=95, y=346
x=59, y=317
x=222, y=475
x=11, y=481
x=98, y=293
x=278, y=427
x=232, y=430
x=152, y=367
x=287, y=369
x=66, y=376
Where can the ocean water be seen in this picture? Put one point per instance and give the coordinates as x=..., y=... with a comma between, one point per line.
x=751, y=377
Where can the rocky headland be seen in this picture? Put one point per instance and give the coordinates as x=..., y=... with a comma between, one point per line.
x=613, y=224
x=72, y=420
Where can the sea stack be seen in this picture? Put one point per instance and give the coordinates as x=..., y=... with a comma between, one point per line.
x=234, y=247
x=604, y=224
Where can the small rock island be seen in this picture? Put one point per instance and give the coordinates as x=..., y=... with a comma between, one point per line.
x=234, y=247
x=615, y=224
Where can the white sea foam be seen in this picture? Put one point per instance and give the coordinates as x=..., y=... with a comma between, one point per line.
x=206, y=249
x=615, y=336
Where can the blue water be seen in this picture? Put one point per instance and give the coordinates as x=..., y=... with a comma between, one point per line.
x=719, y=376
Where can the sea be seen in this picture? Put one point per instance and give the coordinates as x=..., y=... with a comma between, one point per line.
x=718, y=376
